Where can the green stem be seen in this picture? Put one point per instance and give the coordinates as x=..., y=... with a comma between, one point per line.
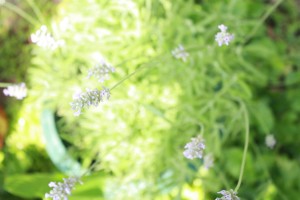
x=221, y=176
x=261, y=21
x=195, y=48
x=36, y=10
x=5, y=84
x=91, y=168
x=189, y=49
x=143, y=66
x=246, y=145
x=217, y=96
x=20, y=12
x=125, y=78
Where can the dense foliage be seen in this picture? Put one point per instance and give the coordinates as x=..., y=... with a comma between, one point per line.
x=134, y=141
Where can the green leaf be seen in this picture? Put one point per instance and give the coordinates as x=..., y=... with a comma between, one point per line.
x=233, y=163
x=36, y=185
x=263, y=116
x=91, y=189
x=292, y=78
x=29, y=186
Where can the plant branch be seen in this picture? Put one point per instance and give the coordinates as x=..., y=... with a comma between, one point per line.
x=246, y=116
x=20, y=12
x=261, y=21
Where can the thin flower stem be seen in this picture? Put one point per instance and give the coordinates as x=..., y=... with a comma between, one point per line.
x=5, y=84
x=194, y=48
x=142, y=66
x=98, y=160
x=217, y=96
x=245, y=111
x=156, y=59
x=221, y=175
x=125, y=78
x=20, y=12
x=36, y=10
x=261, y=21
x=93, y=166
x=189, y=49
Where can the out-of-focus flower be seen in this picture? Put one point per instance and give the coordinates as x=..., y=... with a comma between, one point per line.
x=195, y=148
x=228, y=195
x=208, y=161
x=65, y=24
x=223, y=37
x=2, y=2
x=44, y=39
x=61, y=191
x=19, y=91
x=180, y=53
x=101, y=71
x=270, y=141
x=88, y=98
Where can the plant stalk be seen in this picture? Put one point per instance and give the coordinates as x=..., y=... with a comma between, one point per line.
x=2, y=85
x=20, y=12
x=261, y=21
x=245, y=147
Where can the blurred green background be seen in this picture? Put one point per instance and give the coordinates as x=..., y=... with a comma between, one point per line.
x=137, y=137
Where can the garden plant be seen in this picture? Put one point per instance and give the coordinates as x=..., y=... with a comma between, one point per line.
x=150, y=99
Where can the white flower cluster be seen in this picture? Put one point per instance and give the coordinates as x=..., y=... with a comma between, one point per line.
x=195, y=148
x=61, y=191
x=228, y=195
x=89, y=98
x=180, y=53
x=223, y=37
x=270, y=141
x=101, y=71
x=44, y=39
x=19, y=91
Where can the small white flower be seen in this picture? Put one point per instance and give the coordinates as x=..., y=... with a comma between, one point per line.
x=180, y=53
x=101, y=71
x=194, y=149
x=19, y=91
x=88, y=98
x=222, y=27
x=61, y=191
x=208, y=161
x=270, y=141
x=228, y=195
x=44, y=39
x=223, y=37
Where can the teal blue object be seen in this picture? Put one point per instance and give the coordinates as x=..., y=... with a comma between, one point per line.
x=55, y=148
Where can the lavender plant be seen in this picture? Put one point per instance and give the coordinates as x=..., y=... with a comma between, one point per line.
x=43, y=39
x=194, y=149
x=88, y=98
x=101, y=71
x=223, y=37
x=228, y=195
x=19, y=91
x=61, y=191
x=179, y=106
x=180, y=53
